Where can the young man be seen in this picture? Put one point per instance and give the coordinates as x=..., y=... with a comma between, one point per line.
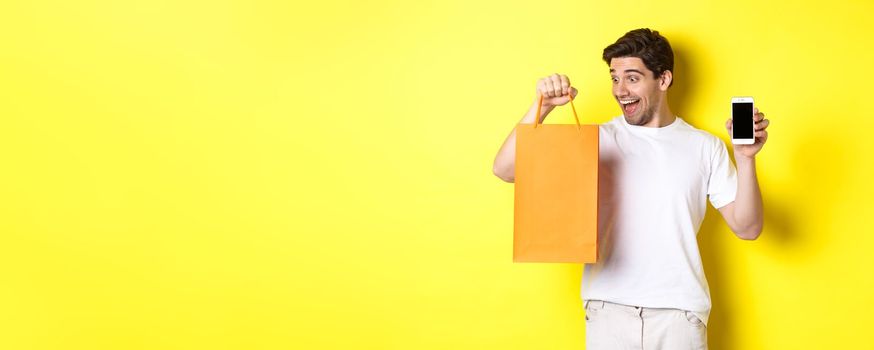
x=656, y=172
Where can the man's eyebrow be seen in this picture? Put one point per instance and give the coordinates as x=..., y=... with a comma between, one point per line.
x=627, y=71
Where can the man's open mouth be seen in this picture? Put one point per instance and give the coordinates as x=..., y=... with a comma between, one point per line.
x=629, y=105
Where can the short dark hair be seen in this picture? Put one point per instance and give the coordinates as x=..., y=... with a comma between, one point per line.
x=648, y=45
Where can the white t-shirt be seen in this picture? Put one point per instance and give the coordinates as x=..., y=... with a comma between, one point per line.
x=653, y=186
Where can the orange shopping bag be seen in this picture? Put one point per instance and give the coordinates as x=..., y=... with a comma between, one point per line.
x=556, y=192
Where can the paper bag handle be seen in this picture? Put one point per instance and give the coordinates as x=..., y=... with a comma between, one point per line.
x=540, y=103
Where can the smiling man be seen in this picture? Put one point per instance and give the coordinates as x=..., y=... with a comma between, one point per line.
x=656, y=173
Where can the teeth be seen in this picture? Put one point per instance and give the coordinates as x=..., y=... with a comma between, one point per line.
x=628, y=101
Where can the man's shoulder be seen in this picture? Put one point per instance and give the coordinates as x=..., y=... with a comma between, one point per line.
x=700, y=135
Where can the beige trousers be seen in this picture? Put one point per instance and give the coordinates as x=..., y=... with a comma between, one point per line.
x=612, y=326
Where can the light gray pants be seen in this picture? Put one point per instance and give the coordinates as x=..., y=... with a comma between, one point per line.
x=612, y=326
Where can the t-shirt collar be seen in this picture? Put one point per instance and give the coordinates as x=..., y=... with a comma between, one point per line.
x=645, y=129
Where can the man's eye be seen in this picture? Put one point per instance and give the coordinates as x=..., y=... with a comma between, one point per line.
x=633, y=79
x=614, y=79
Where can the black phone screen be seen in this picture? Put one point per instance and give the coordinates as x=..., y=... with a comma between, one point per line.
x=742, y=119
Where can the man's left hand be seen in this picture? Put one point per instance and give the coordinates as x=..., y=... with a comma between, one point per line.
x=761, y=135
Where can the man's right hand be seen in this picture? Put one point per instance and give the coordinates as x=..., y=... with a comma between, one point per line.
x=554, y=89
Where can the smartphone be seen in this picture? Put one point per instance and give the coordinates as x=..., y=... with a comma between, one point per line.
x=742, y=121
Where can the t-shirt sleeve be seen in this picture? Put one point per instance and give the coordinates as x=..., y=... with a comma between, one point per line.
x=722, y=184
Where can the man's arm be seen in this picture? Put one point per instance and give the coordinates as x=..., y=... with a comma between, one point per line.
x=505, y=161
x=745, y=215
x=554, y=90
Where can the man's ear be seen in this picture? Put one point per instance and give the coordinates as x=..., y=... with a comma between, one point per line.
x=665, y=80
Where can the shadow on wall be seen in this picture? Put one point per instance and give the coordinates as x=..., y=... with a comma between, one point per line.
x=784, y=221
x=714, y=233
x=684, y=76
x=785, y=230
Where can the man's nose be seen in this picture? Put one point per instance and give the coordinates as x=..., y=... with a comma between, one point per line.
x=620, y=89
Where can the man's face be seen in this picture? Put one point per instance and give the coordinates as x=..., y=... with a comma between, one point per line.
x=638, y=92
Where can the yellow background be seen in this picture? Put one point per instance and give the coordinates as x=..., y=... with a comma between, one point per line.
x=317, y=175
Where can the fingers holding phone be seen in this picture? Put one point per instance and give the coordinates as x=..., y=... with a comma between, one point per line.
x=761, y=125
x=747, y=127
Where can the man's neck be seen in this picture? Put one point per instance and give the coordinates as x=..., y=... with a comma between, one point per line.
x=662, y=117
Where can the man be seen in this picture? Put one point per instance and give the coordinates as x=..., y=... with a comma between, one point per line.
x=656, y=172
